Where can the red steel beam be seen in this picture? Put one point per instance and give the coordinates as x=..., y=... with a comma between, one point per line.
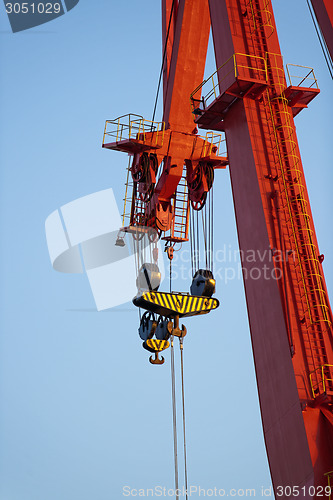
x=324, y=14
x=187, y=62
x=169, y=17
x=290, y=318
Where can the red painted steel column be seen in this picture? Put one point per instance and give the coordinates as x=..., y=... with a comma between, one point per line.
x=169, y=8
x=324, y=14
x=290, y=317
x=284, y=432
x=187, y=63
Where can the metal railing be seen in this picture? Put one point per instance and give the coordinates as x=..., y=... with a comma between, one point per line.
x=134, y=127
x=238, y=66
x=214, y=144
x=126, y=215
x=306, y=78
x=260, y=18
x=328, y=492
x=289, y=164
x=325, y=376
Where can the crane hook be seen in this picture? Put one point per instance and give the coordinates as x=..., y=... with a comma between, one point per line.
x=156, y=360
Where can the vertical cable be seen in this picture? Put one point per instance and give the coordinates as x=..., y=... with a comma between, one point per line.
x=204, y=230
x=328, y=62
x=212, y=229
x=174, y=414
x=163, y=61
x=284, y=274
x=206, y=236
x=209, y=231
x=183, y=405
x=191, y=242
x=198, y=242
x=194, y=242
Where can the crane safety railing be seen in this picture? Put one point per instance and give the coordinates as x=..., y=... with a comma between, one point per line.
x=181, y=210
x=310, y=293
x=134, y=127
x=305, y=78
x=246, y=66
x=214, y=143
x=289, y=164
x=320, y=379
x=126, y=215
x=260, y=18
x=329, y=484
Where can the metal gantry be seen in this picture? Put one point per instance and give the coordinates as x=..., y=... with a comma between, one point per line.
x=248, y=99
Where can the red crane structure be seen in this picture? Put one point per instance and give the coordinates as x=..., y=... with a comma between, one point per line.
x=323, y=10
x=247, y=98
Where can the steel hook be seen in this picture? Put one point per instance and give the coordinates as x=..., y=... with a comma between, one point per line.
x=156, y=360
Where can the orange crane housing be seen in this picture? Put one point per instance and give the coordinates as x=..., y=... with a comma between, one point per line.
x=249, y=99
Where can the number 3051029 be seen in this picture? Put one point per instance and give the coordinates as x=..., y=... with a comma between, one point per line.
x=295, y=491
x=33, y=8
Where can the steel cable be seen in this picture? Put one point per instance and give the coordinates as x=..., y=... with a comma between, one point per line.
x=163, y=60
x=212, y=229
x=321, y=40
x=174, y=414
x=204, y=230
x=183, y=407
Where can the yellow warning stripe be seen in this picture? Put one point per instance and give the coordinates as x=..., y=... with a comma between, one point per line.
x=166, y=302
x=158, y=299
x=173, y=302
x=188, y=307
x=157, y=345
x=177, y=303
x=182, y=304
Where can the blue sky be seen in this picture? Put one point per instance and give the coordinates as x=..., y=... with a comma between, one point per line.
x=83, y=413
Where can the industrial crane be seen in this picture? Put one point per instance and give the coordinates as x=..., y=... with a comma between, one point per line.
x=171, y=176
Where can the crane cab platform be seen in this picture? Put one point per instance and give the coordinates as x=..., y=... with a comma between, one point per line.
x=242, y=75
x=300, y=97
x=175, y=304
x=133, y=134
x=303, y=87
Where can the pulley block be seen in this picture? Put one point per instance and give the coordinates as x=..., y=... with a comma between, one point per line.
x=200, y=180
x=149, y=277
x=163, y=329
x=203, y=283
x=144, y=175
x=147, y=326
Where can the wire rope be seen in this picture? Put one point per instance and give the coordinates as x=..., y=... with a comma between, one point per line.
x=204, y=229
x=198, y=243
x=191, y=242
x=285, y=275
x=320, y=38
x=209, y=236
x=163, y=61
x=174, y=413
x=183, y=408
x=212, y=229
